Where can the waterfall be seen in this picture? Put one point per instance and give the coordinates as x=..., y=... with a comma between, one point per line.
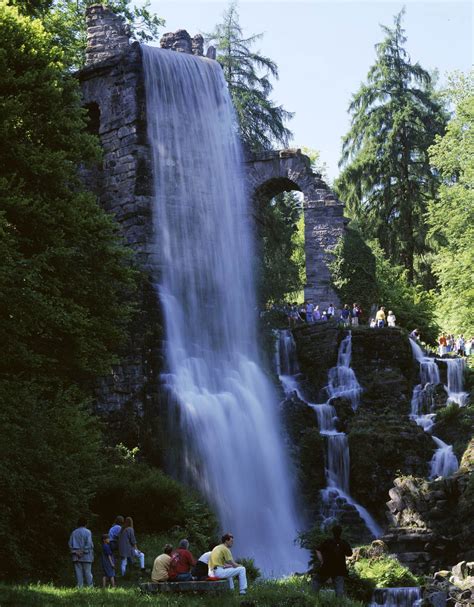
x=455, y=385
x=342, y=382
x=395, y=597
x=229, y=441
x=444, y=462
x=342, y=379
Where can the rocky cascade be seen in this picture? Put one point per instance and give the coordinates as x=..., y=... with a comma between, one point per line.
x=382, y=362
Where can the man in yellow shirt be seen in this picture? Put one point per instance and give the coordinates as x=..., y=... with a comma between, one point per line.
x=380, y=317
x=161, y=566
x=223, y=566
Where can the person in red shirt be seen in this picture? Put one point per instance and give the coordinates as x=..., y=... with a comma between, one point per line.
x=181, y=563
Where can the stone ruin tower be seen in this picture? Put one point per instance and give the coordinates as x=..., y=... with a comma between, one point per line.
x=113, y=93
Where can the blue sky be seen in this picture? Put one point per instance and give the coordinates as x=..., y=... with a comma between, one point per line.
x=324, y=50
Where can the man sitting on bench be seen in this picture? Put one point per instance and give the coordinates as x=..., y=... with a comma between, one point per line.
x=223, y=566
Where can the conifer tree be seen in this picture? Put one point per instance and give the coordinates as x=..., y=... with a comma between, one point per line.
x=387, y=180
x=248, y=73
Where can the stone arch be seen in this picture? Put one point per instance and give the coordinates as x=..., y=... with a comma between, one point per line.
x=271, y=173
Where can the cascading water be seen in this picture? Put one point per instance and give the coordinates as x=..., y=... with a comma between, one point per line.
x=395, y=597
x=455, y=385
x=444, y=462
x=422, y=399
x=229, y=438
x=342, y=383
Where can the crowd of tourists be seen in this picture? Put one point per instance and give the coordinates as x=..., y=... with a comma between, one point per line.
x=458, y=345
x=119, y=545
x=217, y=563
x=179, y=565
x=310, y=313
x=119, y=548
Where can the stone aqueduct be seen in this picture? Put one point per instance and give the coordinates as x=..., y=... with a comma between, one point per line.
x=113, y=92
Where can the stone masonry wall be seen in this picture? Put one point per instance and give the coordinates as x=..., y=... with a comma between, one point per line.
x=271, y=173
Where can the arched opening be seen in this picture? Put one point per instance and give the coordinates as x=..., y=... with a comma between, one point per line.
x=279, y=221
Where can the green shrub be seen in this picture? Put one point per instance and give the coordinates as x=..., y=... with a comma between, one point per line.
x=253, y=572
x=385, y=571
x=49, y=453
x=156, y=502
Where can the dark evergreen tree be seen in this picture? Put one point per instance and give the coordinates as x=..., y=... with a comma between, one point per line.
x=387, y=180
x=261, y=122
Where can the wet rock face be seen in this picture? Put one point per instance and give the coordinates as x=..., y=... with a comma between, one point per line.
x=317, y=346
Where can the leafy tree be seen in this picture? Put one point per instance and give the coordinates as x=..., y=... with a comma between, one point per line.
x=65, y=20
x=353, y=271
x=65, y=283
x=262, y=124
x=451, y=215
x=387, y=180
x=414, y=307
x=282, y=259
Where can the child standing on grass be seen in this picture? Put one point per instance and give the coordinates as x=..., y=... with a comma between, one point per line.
x=108, y=562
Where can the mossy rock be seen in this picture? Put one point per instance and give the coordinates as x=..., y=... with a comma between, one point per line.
x=381, y=448
x=455, y=426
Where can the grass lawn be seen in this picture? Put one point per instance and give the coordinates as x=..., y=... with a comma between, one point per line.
x=291, y=592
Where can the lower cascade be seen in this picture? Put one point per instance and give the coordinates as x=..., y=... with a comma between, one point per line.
x=342, y=382
x=230, y=444
x=444, y=461
x=395, y=597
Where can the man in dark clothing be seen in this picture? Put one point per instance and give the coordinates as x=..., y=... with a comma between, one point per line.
x=332, y=556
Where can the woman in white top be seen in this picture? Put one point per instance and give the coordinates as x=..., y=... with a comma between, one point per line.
x=391, y=320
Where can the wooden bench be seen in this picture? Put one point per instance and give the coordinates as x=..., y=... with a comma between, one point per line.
x=206, y=586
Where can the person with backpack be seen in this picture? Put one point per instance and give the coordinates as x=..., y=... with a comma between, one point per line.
x=332, y=556
x=182, y=561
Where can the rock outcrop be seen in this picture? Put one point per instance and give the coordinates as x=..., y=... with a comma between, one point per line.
x=431, y=522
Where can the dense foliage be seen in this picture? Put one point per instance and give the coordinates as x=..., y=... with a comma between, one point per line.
x=66, y=283
x=353, y=271
x=361, y=273
x=248, y=73
x=451, y=214
x=387, y=179
x=65, y=20
x=282, y=247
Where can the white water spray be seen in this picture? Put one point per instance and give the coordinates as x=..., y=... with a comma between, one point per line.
x=444, y=462
x=229, y=438
x=395, y=597
x=454, y=388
